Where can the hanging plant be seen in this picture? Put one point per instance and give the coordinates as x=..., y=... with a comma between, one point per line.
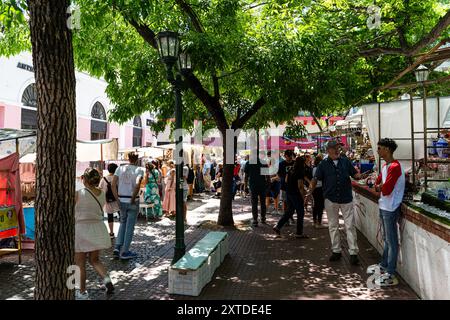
x=295, y=130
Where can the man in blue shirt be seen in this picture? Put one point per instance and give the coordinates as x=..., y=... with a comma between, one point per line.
x=335, y=172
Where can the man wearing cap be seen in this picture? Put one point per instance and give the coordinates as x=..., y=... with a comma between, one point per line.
x=335, y=172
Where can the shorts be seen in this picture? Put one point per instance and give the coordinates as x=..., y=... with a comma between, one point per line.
x=185, y=194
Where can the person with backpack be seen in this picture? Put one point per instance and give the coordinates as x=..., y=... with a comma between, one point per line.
x=190, y=182
x=127, y=179
x=111, y=205
x=295, y=194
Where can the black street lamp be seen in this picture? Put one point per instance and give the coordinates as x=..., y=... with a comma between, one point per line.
x=168, y=48
x=422, y=73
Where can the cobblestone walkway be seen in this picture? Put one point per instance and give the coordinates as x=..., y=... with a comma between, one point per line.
x=259, y=266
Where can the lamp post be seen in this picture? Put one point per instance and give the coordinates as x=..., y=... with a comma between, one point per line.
x=421, y=74
x=168, y=48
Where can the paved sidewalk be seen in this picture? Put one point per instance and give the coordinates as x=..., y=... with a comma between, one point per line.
x=260, y=266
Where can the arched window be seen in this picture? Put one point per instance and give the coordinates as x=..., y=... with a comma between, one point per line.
x=98, y=122
x=29, y=99
x=137, y=132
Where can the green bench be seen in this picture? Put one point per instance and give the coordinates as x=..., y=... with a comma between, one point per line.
x=195, y=269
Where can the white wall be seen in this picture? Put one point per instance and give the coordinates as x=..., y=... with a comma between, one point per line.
x=14, y=80
x=424, y=258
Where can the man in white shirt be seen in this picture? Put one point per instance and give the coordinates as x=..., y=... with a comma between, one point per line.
x=128, y=179
x=391, y=185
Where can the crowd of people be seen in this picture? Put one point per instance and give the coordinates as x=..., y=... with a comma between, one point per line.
x=297, y=180
x=327, y=180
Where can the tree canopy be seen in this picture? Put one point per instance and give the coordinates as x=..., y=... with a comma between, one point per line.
x=319, y=56
x=255, y=62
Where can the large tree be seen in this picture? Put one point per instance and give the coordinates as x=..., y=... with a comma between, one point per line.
x=56, y=140
x=255, y=61
x=249, y=68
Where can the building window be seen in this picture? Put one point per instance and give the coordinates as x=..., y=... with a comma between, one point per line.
x=137, y=132
x=29, y=99
x=98, y=122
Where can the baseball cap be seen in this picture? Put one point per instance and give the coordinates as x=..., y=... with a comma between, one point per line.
x=333, y=144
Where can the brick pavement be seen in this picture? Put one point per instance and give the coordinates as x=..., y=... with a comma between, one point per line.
x=260, y=266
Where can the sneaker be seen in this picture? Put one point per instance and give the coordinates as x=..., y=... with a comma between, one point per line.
x=335, y=256
x=116, y=253
x=108, y=285
x=386, y=280
x=263, y=221
x=354, y=260
x=375, y=268
x=254, y=223
x=128, y=255
x=81, y=295
x=277, y=231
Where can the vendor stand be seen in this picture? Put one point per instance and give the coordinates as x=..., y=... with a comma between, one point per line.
x=424, y=226
x=12, y=222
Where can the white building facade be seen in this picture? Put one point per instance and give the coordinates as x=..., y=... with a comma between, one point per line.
x=18, y=106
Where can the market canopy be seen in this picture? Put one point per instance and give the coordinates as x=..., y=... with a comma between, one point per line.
x=97, y=150
x=13, y=140
x=12, y=134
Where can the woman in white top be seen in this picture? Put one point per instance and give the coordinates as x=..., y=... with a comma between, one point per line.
x=91, y=234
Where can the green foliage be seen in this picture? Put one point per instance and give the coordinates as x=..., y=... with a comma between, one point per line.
x=296, y=54
x=295, y=130
x=14, y=32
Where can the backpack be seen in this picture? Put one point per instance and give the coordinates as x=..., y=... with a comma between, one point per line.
x=190, y=177
x=109, y=193
x=212, y=171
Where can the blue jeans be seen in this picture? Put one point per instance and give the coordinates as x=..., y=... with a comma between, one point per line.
x=294, y=203
x=128, y=216
x=389, y=223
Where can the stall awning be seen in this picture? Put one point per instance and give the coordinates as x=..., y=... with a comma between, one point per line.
x=97, y=150
x=11, y=134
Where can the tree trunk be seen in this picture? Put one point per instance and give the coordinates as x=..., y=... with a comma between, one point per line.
x=56, y=141
x=226, y=199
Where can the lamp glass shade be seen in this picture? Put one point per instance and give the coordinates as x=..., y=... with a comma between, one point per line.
x=184, y=62
x=168, y=45
x=422, y=73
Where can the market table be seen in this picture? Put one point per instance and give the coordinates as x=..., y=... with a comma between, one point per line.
x=424, y=253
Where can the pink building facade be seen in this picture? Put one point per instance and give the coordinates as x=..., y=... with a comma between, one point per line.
x=18, y=106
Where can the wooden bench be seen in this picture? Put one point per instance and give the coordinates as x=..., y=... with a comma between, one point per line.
x=195, y=269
